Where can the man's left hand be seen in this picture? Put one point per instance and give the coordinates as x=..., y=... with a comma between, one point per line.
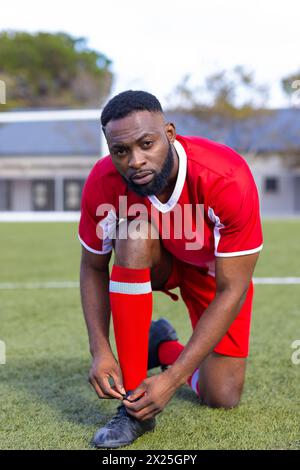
x=155, y=393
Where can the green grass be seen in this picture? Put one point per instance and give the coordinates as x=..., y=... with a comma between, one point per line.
x=46, y=402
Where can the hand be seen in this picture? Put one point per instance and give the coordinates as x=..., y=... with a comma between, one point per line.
x=155, y=393
x=104, y=367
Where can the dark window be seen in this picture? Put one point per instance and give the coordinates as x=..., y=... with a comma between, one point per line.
x=43, y=195
x=271, y=185
x=72, y=194
x=5, y=195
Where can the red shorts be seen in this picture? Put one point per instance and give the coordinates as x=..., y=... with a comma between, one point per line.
x=197, y=289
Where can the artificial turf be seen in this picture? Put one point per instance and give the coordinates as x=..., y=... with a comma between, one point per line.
x=46, y=402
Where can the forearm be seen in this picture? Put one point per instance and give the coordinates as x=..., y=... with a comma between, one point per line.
x=210, y=329
x=94, y=290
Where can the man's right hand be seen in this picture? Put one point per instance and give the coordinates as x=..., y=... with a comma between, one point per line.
x=104, y=367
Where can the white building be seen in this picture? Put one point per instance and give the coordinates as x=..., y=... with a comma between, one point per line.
x=270, y=143
x=45, y=156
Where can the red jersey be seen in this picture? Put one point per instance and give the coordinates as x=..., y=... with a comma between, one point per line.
x=214, y=191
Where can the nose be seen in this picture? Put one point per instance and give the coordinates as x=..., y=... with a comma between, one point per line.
x=136, y=160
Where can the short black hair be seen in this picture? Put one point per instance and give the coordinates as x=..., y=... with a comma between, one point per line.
x=129, y=102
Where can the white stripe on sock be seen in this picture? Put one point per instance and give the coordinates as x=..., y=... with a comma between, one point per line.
x=194, y=381
x=130, y=287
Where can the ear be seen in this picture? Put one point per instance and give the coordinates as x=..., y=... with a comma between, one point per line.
x=171, y=132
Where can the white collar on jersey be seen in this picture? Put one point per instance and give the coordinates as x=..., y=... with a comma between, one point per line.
x=167, y=206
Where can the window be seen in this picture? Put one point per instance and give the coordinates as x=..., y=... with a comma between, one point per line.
x=5, y=195
x=271, y=185
x=72, y=194
x=43, y=195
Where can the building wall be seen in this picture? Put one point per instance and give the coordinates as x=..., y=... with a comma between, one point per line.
x=18, y=177
x=43, y=194
x=283, y=199
x=26, y=182
x=20, y=198
x=297, y=193
x=4, y=195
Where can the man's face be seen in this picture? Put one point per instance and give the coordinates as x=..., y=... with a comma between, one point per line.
x=141, y=150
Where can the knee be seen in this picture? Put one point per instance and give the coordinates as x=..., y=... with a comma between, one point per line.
x=227, y=403
x=136, y=244
x=227, y=400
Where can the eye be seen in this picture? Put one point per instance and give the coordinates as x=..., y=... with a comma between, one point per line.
x=120, y=152
x=147, y=143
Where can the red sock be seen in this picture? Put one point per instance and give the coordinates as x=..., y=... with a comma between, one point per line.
x=131, y=306
x=168, y=352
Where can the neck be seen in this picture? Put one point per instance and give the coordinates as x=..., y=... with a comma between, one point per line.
x=164, y=196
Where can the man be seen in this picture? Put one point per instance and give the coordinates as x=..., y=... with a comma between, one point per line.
x=178, y=212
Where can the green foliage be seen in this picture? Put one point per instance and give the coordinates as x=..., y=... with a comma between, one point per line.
x=230, y=94
x=289, y=83
x=52, y=70
x=291, y=87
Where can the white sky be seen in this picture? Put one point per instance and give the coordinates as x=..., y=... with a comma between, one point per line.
x=154, y=44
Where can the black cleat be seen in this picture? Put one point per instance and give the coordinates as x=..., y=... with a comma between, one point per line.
x=122, y=430
x=160, y=330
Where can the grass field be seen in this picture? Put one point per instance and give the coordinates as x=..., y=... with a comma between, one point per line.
x=46, y=402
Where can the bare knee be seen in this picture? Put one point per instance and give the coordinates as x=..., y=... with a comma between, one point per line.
x=226, y=399
x=136, y=245
x=221, y=381
x=228, y=403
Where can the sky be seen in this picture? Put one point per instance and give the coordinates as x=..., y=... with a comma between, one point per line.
x=153, y=44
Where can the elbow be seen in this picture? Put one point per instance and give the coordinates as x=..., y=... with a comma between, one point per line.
x=242, y=298
x=243, y=294
x=236, y=294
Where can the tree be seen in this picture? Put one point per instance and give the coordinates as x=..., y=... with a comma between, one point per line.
x=231, y=93
x=291, y=87
x=52, y=70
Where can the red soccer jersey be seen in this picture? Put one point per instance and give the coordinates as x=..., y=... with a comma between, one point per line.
x=213, y=210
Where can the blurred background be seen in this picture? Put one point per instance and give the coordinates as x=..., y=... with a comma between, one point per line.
x=228, y=71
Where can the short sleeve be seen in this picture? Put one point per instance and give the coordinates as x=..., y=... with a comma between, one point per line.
x=98, y=218
x=235, y=213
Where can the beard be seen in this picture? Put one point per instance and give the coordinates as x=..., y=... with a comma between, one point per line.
x=159, y=181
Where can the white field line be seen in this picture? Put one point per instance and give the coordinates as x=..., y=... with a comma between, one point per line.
x=75, y=284
x=276, y=280
x=40, y=285
x=11, y=216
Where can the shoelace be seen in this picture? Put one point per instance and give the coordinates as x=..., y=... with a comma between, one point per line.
x=120, y=417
